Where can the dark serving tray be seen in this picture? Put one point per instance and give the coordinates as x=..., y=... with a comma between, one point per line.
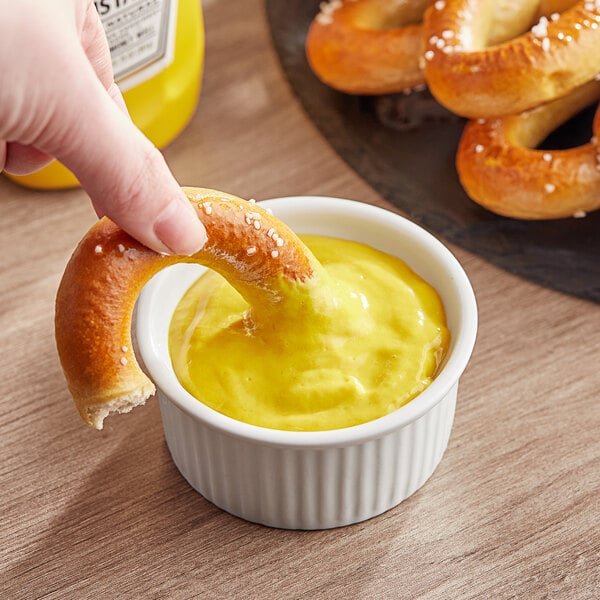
x=404, y=147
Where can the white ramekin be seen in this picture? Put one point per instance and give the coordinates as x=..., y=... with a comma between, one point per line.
x=314, y=480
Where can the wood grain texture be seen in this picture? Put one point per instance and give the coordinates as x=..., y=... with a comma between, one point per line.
x=513, y=511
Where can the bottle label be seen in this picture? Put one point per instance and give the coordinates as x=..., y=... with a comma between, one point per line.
x=141, y=37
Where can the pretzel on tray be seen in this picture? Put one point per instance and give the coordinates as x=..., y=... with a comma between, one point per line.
x=368, y=46
x=475, y=78
x=501, y=169
x=517, y=68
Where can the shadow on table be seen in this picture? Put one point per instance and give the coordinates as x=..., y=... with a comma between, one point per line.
x=134, y=527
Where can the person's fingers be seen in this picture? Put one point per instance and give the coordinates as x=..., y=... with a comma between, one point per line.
x=23, y=160
x=126, y=177
x=63, y=102
x=175, y=225
x=117, y=97
x=128, y=180
x=95, y=45
x=2, y=155
x=20, y=159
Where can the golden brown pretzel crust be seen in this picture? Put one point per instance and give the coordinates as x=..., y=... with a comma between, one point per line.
x=253, y=250
x=368, y=46
x=500, y=168
x=558, y=55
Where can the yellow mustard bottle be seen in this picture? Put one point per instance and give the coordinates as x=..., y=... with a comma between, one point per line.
x=157, y=51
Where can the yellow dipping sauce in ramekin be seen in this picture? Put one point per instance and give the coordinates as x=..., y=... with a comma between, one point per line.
x=351, y=345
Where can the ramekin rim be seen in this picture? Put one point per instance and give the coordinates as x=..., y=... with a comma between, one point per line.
x=443, y=383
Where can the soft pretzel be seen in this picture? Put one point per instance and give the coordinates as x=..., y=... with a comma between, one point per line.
x=376, y=46
x=475, y=79
x=253, y=250
x=500, y=168
x=367, y=46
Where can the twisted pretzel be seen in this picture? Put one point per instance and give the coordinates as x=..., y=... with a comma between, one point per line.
x=500, y=168
x=376, y=46
x=368, y=46
x=475, y=79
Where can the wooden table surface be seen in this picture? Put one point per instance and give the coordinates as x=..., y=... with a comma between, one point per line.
x=513, y=511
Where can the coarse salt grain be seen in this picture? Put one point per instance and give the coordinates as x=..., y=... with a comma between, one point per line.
x=98, y=249
x=549, y=187
x=323, y=19
x=326, y=11
x=540, y=30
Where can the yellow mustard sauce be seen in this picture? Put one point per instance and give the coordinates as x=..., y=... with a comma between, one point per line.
x=355, y=343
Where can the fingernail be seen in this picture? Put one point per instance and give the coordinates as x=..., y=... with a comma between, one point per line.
x=179, y=229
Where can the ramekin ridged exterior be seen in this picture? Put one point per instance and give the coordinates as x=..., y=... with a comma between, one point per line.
x=324, y=479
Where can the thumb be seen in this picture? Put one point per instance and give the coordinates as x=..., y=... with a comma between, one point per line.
x=126, y=177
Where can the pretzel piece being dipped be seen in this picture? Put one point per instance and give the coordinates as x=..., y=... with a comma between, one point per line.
x=500, y=168
x=253, y=250
x=475, y=78
x=368, y=46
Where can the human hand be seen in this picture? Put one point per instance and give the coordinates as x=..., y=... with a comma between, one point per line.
x=58, y=99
